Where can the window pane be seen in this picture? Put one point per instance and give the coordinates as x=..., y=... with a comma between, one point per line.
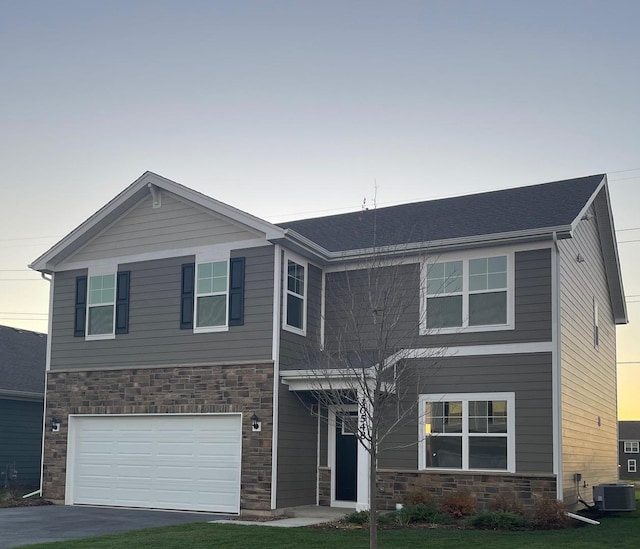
x=101, y=320
x=444, y=278
x=497, y=264
x=488, y=453
x=477, y=282
x=497, y=281
x=477, y=424
x=212, y=311
x=294, y=311
x=444, y=312
x=295, y=278
x=220, y=269
x=102, y=289
x=444, y=452
x=487, y=309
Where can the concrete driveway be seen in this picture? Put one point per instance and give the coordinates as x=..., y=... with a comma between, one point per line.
x=26, y=525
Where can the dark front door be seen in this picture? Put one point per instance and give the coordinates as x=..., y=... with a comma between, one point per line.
x=346, y=477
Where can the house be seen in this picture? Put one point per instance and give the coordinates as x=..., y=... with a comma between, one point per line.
x=629, y=449
x=187, y=341
x=22, y=379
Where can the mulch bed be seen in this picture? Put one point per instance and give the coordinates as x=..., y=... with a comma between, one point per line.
x=17, y=501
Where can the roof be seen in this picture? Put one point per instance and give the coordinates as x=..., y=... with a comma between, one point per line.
x=552, y=206
x=22, y=361
x=629, y=430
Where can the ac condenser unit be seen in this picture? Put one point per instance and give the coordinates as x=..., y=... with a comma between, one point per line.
x=615, y=497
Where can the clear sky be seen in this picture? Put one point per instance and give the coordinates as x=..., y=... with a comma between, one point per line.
x=294, y=109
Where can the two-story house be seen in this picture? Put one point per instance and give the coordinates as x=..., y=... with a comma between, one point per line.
x=189, y=341
x=629, y=449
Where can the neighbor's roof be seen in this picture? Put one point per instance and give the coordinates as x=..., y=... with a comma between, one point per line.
x=549, y=206
x=629, y=430
x=22, y=361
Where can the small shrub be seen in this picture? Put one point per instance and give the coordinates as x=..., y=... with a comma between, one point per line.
x=550, y=514
x=459, y=503
x=388, y=519
x=498, y=520
x=423, y=514
x=357, y=517
x=417, y=496
x=507, y=503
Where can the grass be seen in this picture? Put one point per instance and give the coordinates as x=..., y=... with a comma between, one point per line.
x=619, y=531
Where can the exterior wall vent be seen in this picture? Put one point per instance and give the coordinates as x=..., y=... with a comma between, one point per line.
x=615, y=497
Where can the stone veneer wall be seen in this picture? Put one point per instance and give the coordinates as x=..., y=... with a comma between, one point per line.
x=324, y=486
x=393, y=486
x=186, y=389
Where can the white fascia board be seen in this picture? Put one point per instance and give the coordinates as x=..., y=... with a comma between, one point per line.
x=45, y=261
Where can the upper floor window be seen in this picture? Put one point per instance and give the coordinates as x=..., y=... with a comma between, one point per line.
x=296, y=296
x=211, y=294
x=631, y=447
x=471, y=293
x=102, y=299
x=468, y=431
x=631, y=466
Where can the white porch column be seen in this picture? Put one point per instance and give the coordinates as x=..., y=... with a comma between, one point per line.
x=362, y=501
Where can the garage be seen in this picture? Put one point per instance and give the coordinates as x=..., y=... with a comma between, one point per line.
x=158, y=461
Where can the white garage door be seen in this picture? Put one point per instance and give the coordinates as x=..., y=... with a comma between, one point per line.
x=189, y=462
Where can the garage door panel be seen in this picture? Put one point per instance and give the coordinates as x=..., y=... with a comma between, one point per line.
x=166, y=462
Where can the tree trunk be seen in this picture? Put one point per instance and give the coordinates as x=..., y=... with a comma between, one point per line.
x=373, y=504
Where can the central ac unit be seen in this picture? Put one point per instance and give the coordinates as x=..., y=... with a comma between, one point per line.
x=615, y=497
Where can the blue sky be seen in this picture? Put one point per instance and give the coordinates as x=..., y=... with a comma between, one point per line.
x=293, y=109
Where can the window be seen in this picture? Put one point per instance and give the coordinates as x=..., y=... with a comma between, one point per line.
x=468, y=432
x=211, y=295
x=631, y=446
x=631, y=466
x=101, y=305
x=468, y=293
x=296, y=291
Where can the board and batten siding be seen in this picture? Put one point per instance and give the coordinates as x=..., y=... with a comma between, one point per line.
x=533, y=312
x=20, y=441
x=588, y=375
x=155, y=337
x=529, y=376
x=297, y=450
x=177, y=224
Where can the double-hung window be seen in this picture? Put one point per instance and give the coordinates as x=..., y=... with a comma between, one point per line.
x=631, y=446
x=101, y=305
x=295, y=296
x=631, y=466
x=211, y=295
x=468, y=432
x=471, y=294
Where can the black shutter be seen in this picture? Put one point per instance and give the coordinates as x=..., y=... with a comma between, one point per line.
x=236, y=292
x=122, y=302
x=81, y=306
x=186, y=296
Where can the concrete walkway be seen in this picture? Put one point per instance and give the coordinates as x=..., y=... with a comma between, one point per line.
x=307, y=515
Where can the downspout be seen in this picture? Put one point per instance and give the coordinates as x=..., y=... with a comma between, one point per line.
x=556, y=370
x=275, y=355
x=44, y=401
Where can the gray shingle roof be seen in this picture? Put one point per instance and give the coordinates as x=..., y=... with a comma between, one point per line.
x=520, y=209
x=629, y=430
x=22, y=360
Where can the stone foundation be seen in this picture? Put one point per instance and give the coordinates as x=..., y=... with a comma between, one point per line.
x=394, y=485
x=174, y=390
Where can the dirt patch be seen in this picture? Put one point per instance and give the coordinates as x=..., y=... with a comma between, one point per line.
x=16, y=500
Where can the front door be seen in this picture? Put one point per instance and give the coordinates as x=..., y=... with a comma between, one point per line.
x=346, y=459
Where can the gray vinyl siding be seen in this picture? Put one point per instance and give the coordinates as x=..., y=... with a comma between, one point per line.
x=529, y=376
x=155, y=337
x=177, y=224
x=532, y=307
x=297, y=451
x=21, y=440
x=624, y=462
x=294, y=348
x=588, y=375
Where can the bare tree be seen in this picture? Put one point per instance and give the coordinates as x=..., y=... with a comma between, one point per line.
x=373, y=320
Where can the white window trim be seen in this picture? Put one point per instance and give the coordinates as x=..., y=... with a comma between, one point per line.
x=632, y=466
x=200, y=259
x=465, y=398
x=101, y=270
x=426, y=264
x=288, y=256
x=631, y=446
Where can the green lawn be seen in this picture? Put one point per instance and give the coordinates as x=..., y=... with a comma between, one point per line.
x=622, y=530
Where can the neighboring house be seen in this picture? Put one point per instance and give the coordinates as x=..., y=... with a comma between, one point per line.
x=22, y=379
x=179, y=326
x=629, y=449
